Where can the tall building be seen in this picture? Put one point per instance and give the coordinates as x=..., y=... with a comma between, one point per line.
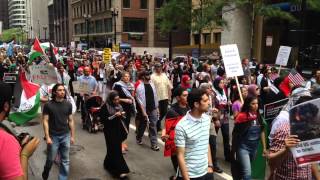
x=17, y=13
x=37, y=19
x=4, y=15
x=133, y=21
x=61, y=22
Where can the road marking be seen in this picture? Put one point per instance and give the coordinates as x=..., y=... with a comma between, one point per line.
x=223, y=175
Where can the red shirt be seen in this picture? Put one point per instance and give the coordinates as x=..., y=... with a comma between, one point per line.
x=243, y=117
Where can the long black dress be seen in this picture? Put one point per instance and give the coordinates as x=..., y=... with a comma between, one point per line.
x=114, y=134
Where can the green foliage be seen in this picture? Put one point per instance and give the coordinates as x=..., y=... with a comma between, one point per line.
x=9, y=34
x=181, y=14
x=175, y=14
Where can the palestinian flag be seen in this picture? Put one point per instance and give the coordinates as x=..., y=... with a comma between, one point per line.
x=27, y=100
x=36, y=51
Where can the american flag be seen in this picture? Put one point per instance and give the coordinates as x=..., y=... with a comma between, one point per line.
x=295, y=78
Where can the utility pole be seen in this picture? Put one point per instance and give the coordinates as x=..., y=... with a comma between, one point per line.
x=200, y=29
x=114, y=14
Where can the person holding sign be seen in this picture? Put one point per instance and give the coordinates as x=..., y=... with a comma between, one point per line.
x=247, y=132
x=281, y=162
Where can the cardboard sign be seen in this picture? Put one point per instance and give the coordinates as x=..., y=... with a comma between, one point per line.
x=107, y=55
x=283, y=55
x=272, y=110
x=81, y=87
x=231, y=60
x=10, y=77
x=305, y=122
x=43, y=74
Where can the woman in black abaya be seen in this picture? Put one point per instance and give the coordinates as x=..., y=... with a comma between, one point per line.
x=115, y=131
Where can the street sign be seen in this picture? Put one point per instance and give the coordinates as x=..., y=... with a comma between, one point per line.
x=107, y=55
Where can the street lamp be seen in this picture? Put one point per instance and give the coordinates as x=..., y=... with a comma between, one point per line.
x=87, y=17
x=45, y=32
x=114, y=14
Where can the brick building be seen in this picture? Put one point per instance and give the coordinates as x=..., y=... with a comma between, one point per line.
x=135, y=23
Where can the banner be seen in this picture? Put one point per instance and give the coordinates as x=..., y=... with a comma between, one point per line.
x=10, y=77
x=305, y=123
x=272, y=110
x=231, y=60
x=81, y=87
x=170, y=124
x=283, y=55
x=43, y=74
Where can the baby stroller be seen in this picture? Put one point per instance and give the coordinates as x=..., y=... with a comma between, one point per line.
x=92, y=121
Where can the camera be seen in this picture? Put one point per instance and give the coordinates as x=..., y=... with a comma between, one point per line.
x=24, y=138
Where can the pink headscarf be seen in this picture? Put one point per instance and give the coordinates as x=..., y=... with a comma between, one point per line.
x=252, y=89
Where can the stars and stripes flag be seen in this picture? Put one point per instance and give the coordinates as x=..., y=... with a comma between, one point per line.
x=295, y=78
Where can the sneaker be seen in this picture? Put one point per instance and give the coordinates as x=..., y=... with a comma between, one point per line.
x=155, y=148
x=217, y=169
x=139, y=142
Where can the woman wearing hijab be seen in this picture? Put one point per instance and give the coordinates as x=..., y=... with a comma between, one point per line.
x=115, y=131
x=221, y=103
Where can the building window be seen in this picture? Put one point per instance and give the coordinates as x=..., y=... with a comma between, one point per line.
x=100, y=5
x=77, y=29
x=96, y=6
x=99, y=26
x=134, y=25
x=84, y=9
x=217, y=38
x=109, y=4
x=159, y=3
x=88, y=8
x=143, y=4
x=207, y=38
x=91, y=7
x=126, y=3
x=108, y=25
x=196, y=38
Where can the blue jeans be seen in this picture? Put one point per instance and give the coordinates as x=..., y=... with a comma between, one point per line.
x=60, y=143
x=247, y=151
x=226, y=140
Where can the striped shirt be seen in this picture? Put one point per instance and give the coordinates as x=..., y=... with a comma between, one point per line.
x=288, y=169
x=193, y=135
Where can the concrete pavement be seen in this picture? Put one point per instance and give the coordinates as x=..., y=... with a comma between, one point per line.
x=87, y=155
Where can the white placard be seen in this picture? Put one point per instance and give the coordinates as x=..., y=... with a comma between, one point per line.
x=283, y=55
x=231, y=60
x=43, y=74
x=1, y=27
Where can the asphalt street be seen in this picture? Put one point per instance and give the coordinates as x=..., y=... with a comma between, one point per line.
x=87, y=155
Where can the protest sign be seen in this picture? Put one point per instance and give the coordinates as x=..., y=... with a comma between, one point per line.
x=107, y=55
x=231, y=60
x=170, y=124
x=81, y=87
x=10, y=77
x=305, y=123
x=43, y=74
x=283, y=55
x=272, y=110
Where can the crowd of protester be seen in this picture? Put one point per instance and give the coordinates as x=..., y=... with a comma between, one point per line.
x=167, y=97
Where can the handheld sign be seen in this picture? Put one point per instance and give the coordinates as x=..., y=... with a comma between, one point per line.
x=106, y=55
x=232, y=63
x=231, y=60
x=43, y=74
x=81, y=87
x=10, y=77
x=305, y=123
x=272, y=110
x=283, y=55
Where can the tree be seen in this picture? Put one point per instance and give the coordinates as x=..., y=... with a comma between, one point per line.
x=207, y=14
x=173, y=15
